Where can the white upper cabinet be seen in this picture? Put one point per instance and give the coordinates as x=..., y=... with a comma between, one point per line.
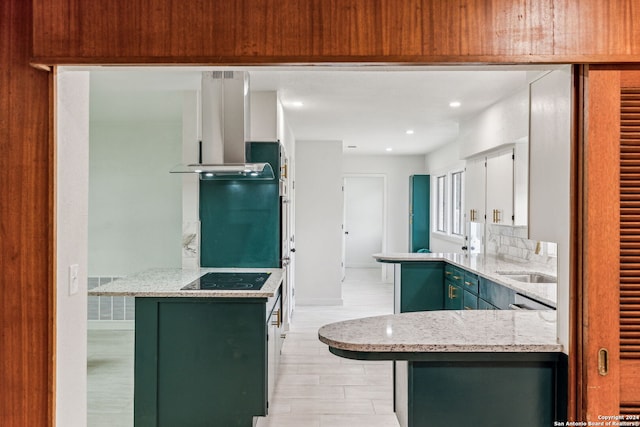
x=498, y=137
x=500, y=188
x=475, y=194
x=497, y=187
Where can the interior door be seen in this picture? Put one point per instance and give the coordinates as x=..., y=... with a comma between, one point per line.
x=609, y=337
x=364, y=220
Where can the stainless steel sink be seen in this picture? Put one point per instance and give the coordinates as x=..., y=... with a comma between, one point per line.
x=529, y=277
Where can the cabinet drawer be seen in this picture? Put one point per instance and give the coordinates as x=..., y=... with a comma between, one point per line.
x=471, y=282
x=454, y=274
x=469, y=301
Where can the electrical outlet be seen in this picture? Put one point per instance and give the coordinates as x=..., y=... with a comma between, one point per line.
x=73, y=279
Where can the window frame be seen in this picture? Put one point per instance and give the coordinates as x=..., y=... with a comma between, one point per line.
x=457, y=193
x=449, y=203
x=441, y=204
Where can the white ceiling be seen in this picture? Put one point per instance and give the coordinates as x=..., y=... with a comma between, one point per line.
x=367, y=107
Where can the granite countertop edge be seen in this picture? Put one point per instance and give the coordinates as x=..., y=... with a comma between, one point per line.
x=493, y=331
x=168, y=283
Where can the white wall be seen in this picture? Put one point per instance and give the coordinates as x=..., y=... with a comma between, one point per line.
x=505, y=122
x=549, y=174
x=318, y=276
x=72, y=171
x=135, y=204
x=441, y=161
x=397, y=170
x=264, y=123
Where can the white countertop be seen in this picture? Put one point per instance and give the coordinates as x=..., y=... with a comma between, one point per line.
x=487, y=266
x=168, y=282
x=447, y=331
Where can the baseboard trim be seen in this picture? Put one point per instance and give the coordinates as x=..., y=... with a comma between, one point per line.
x=123, y=325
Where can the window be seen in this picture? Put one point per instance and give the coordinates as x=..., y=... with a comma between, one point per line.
x=456, y=204
x=448, y=193
x=441, y=204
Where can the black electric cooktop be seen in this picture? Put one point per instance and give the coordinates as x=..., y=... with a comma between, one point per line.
x=229, y=281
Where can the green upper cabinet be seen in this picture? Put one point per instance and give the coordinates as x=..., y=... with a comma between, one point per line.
x=419, y=212
x=240, y=220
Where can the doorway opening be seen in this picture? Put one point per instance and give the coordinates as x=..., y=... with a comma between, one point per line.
x=365, y=206
x=397, y=228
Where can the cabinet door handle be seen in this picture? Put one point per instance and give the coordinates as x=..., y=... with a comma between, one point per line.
x=468, y=283
x=452, y=292
x=448, y=273
x=456, y=277
x=277, y=320
x=467, y=308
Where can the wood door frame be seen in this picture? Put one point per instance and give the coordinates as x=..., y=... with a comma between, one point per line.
x=581, y=189
x=596, y=231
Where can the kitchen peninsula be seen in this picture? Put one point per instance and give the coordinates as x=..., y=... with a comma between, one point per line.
x=202, y=354
x=487, y=365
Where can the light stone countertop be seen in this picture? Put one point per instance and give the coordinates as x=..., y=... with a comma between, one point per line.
x=447, y=331
x=168, y=282
x=487, y=266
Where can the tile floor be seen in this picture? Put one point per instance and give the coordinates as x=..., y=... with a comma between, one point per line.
x=314, y=388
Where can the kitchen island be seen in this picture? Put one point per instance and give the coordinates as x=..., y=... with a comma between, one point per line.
x=462, y=368
x=203, y=357
x=491, y=364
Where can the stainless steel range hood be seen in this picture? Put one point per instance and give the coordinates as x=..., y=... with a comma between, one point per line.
x=225, y=130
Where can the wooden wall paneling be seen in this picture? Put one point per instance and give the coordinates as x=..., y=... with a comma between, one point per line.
x=271, y=31
x=603, y=31
x=496, y=28
x=26, y=228
x=402, y=27
x=601, y=239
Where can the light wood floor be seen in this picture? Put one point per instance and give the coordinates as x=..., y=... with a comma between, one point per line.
x=314, y=388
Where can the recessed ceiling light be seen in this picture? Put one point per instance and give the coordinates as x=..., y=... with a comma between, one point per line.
x=297, y=103
x=454, y=104
x=389, y=149
x=410, y=132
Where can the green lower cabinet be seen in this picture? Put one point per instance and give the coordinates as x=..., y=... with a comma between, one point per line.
x=469, y=301
x=419, y=287
x=496, y=294
x=483, y=305
x=482, y=389
x=200, y=362
x=453, y=299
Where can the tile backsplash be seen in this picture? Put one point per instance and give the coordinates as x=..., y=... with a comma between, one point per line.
x=511, y=243
x=107, y=307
